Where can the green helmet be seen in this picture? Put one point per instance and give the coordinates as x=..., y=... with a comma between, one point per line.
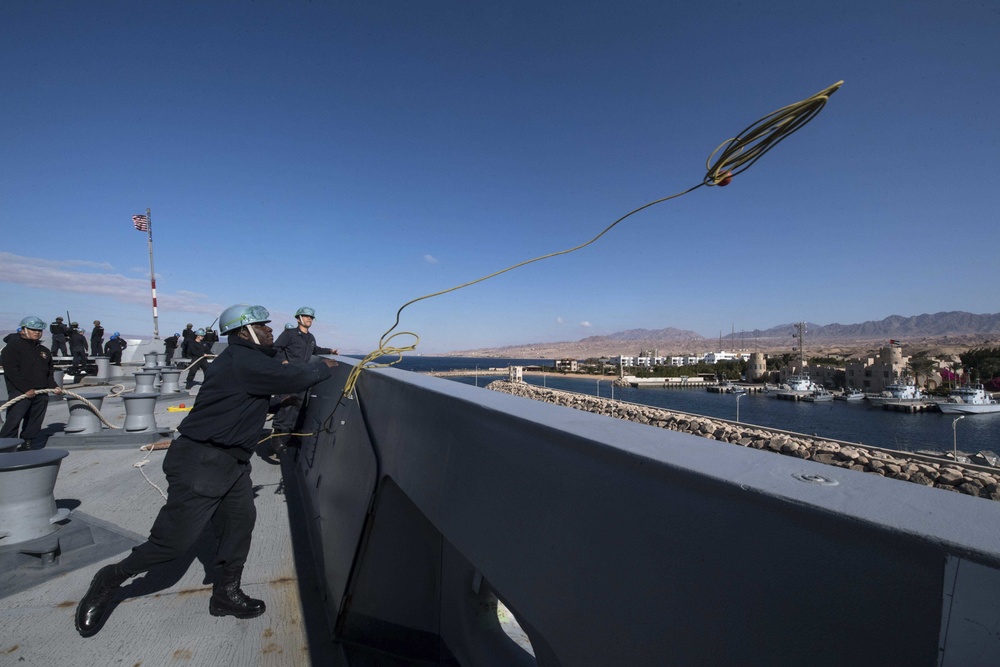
x=240, y=315
x=32, y=322
x=305, y=310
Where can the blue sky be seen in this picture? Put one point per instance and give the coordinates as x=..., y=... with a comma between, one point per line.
x=354, y=156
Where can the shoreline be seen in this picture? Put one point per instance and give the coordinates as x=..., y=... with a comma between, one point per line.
x=504, y=372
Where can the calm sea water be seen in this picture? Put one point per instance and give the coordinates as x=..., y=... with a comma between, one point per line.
x=841, y=420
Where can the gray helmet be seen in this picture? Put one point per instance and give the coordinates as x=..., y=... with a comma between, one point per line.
x=98, y=322
x=199, y=332
x=240, y=315
x=32, y=322
x=305, y=310
x=58, y=319
x=291, y=325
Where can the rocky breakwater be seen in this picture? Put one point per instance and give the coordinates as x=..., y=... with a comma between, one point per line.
x=899, y=465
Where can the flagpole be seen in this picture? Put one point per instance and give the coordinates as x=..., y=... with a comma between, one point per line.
x=152, y=274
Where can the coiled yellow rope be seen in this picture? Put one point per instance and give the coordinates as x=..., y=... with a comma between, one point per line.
x=737, y=155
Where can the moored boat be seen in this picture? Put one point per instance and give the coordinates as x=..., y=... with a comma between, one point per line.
x=851, y=395
x=899, y=393
x=969, y=400
x=818, y=396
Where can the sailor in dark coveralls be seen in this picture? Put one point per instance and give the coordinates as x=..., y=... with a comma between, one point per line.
x=78, y=348
x=296, y=345
x=114, y=347
x=60, y=335
x=97, y=338
x=27, y=366
x=197, y=349
x=208, y=468
x=170, y=346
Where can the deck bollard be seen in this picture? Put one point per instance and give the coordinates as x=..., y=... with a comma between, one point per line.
x=171, y=381
x=27, y=507
x=10, y=444
x=161, y=359
x=81, y=419
x=139, y=409
x=58, y=375
x=145, y=381
x=150, y=358
x=103, y=368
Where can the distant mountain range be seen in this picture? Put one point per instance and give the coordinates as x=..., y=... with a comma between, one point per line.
x=953, y=323
x=955, y=328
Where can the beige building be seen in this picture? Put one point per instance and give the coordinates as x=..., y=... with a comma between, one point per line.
x=756, y=366
x=872, y=374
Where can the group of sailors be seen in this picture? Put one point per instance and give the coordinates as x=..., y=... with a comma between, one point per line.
x=74, y=337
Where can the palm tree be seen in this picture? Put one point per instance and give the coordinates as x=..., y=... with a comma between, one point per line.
x=921, y=365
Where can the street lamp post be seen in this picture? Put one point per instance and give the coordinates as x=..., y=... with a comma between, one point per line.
x=598, y=388
x=738, y=397
x=954, y=440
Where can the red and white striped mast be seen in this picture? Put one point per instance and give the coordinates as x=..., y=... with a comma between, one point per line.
x=152, y=274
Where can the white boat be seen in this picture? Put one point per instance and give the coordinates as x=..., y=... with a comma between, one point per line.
x=818, y=396
x=899, y=393
x=969, y=400
x=801, y=383
x=851, y=395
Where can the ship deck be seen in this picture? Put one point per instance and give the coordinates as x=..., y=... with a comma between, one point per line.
x=161, y=618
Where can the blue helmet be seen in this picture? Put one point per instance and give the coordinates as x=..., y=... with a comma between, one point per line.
x=291, y=325
x=177, y=334
x=199, y=332
x=305, y=310
x=32, y=322
x=240, y=315
x=115, y=335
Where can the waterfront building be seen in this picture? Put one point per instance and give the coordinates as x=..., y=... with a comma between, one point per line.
x=567, y=365
x=874, y=374
x=824, y=376
x=722, y=355
x=756, y=366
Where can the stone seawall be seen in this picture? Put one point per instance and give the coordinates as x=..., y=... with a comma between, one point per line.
x=943, y=476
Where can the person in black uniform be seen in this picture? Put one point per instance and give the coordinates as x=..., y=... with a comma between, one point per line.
x=186, y=337
x=296, y=346
x=197, y=349
x=78, y=348
x=113, y=349
x=170, y=346
x=60, y=335
x=27, y=366
x=97, y=338
x=208, y=469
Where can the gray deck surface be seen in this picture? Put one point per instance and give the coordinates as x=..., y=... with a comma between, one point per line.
x=162, y=618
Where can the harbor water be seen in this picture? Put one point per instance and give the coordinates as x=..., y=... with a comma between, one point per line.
x=841, y=420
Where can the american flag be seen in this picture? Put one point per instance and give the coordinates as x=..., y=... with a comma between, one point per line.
x=141, y=222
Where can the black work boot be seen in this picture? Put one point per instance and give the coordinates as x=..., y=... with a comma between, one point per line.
x=229, y=600
x=25, y=446
x=92, y=610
